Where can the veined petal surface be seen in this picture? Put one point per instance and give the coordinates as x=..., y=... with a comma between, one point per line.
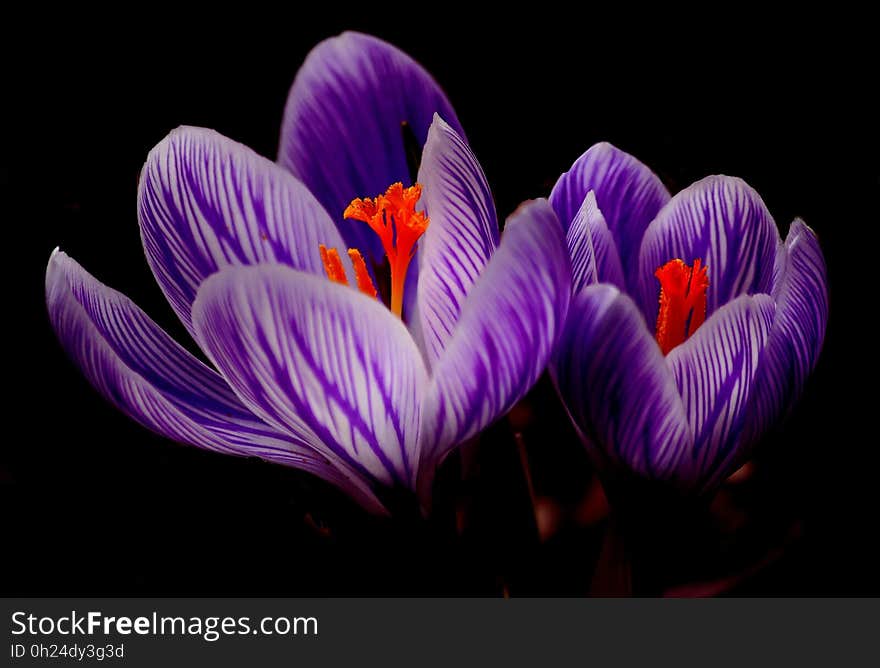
x=207, y=202
x=798, y=331
x=506, y=333
x=714, y=370
x=618, y=389
x=594, y=257
x=301, y=351
x=137, y=367
x=461, y=237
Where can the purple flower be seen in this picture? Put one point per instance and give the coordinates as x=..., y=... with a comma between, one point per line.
x=311, y=372
x=693, y=326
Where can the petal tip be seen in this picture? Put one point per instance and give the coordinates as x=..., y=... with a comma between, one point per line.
x=604, y=147
x=530, y=208
x=180, y=134
x=523, y=206
x=59, y=263
x=798, y=227
x=354, y=35
x=440, y=127
x=723, y=180
x=438, y=122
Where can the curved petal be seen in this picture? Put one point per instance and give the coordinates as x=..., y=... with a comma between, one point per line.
x=205, y=202
x=342, y=134
x=504, y=337
x=628, y=193
x=798, y=330
x=618, y=390
x=594, y=257
x=461, y=237
x=300, y=350
x=722, y=221
x=714, y=369
x=136, y=366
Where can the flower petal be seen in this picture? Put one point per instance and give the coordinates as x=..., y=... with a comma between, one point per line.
x=136, y=366
x=627, y=192
x=722, y=221
x=461, y=237
x=507, y=329
x=594, y=257
x=342, y=134
x=618, y=390
x=300, y=350
x=205, y=202
x=798, y=330
x=714, y=369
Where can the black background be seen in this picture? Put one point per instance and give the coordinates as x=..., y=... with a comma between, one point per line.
x=94, y=504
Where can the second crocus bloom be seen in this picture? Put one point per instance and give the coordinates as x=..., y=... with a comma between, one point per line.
x=693, y=325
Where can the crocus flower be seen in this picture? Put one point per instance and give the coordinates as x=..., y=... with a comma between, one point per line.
x=278, y=271
x=693, y=326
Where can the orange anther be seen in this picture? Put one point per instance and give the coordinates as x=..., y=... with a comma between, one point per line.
x=333, y=265
x=364, y=282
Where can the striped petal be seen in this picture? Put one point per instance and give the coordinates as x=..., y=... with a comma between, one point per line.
x=206, y=202
x=342, y=134
x=507, y=329
x=627, y=192
x=136, y=366
x=300, y=350
x=618, y=390
x=594, y=257
x=798, y=330
x=722, y=221
x=714, y=370
x=462, y=235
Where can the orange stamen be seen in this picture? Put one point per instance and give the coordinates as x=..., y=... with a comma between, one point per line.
x=364, y=282
x=336, y=272
x=682, y=302
x=394, y=218
x=333, y=265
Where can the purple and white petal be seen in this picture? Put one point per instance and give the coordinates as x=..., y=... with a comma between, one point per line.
x=801, y=294
x=506, y=332
x=206, y=202
x=342, y=134
x=721, y=221
x=137, y=367
x=618, y=390
x=302, y=351
x=461, y=237
x=714, y=369
x=628, y=193
x=594, y=257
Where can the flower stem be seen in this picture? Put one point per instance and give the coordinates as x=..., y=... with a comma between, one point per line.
x=612, y=575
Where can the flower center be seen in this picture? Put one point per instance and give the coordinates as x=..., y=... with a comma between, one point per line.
x=394, y=218
x=682, y=302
